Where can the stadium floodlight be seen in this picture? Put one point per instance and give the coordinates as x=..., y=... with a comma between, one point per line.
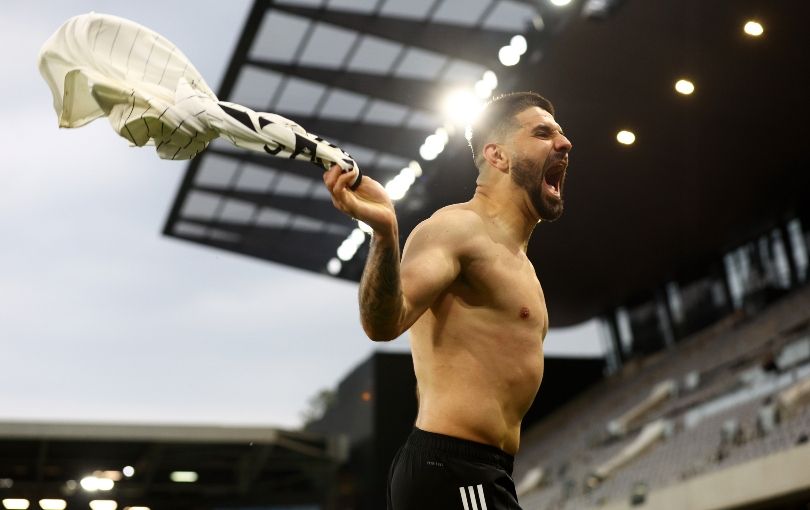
x=435, y=143
x=484, y=87
x=684, y=87
x=16, y=504
x=426, y=153
x=103, y=504
x=52, y=504
x=113, y=475
x=462, y=106
x=396, y=188
x=508, y=56
x=183, y=476
x=490, y=78
x=753, y=28
x=333, y=267
x=519, y=43
x=625, y=137
x=443, y=135
x=482, y=90
x=345, y=252
x=91, y=483
x=358, y=237
x=407, y=175
x=417, y=170
x=365, y=227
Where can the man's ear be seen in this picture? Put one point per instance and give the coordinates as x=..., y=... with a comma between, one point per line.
x=496, y=156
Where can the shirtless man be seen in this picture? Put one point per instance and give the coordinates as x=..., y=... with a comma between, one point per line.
x=469, y=294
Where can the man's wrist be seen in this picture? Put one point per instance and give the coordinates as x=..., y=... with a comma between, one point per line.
x=386, y=236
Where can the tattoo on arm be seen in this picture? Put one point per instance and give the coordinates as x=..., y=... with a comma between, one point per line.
x=381, y=300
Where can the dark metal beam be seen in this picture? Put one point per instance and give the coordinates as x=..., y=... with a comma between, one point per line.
x=42, y=459
x=242, y=49
x=304, y=249
x=293, y=166
x=410, y=92
x=398, y=140
x=464, y=42
x=240, y=53
x=318, y=209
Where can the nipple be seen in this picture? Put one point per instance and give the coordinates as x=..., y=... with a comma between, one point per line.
x=524, y=313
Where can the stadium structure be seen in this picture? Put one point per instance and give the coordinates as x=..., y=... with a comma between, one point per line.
x=686, y=236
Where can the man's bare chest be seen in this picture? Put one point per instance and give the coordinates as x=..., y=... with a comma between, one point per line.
x=508, y=284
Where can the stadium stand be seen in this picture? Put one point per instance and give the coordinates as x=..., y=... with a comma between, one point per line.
x=734, y=393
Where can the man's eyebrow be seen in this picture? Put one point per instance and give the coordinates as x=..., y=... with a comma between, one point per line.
x=546, y=127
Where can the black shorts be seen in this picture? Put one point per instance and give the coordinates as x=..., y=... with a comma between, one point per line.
x=434, y=471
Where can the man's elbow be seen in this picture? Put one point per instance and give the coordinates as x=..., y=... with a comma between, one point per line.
x=377, y=334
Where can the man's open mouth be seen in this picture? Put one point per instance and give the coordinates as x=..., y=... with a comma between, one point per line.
x=553, y=178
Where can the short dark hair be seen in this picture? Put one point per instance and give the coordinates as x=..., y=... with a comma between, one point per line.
x=498, y=118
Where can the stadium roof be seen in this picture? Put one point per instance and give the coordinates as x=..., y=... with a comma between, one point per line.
x=233, y=466
x=707, y=172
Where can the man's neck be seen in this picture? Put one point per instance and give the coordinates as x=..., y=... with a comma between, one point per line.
x=509, y=211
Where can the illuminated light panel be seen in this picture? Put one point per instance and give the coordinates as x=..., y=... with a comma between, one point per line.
x=334, y=266
x=482, y=90
x=184, y=476
x=103, y=504
x=519, y=43
x=128, y=471
x=417, y=171
x=490, y=78
x=462, y=106
x=137, y=508
x=115, y=476
x=365, y=227
x=358, y=236
x=753, y=28
x=16, y=504
x=435, y=143
x=427, y=154
x=345, y=252
x=89, y=483
x=396, y=188
x=508, y=56
x=560, y=3
x=684, y=87
x=625, y=137
x=52, y=504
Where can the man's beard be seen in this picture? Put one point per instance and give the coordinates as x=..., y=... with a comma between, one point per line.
x=529, y=176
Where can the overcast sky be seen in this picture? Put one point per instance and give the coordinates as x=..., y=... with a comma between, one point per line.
x=104, y=319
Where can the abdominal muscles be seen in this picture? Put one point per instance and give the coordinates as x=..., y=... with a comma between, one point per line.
x=477, y=375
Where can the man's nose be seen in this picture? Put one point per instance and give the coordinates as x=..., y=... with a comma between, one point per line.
x=563, y=144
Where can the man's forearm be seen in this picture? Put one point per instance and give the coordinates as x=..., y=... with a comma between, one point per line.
x=381, y=301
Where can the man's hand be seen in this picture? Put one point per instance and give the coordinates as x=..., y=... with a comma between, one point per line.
x=368, y=203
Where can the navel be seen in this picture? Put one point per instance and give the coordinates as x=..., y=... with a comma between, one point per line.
x=524, y=313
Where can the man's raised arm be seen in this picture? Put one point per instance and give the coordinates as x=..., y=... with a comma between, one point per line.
x=393, y=294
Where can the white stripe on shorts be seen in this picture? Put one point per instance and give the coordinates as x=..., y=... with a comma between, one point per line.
x=472, y=498
x=481, y=496
x=463, y=498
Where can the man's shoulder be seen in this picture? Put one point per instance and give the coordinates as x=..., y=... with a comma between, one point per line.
x=455, y=224
x=455, y=221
